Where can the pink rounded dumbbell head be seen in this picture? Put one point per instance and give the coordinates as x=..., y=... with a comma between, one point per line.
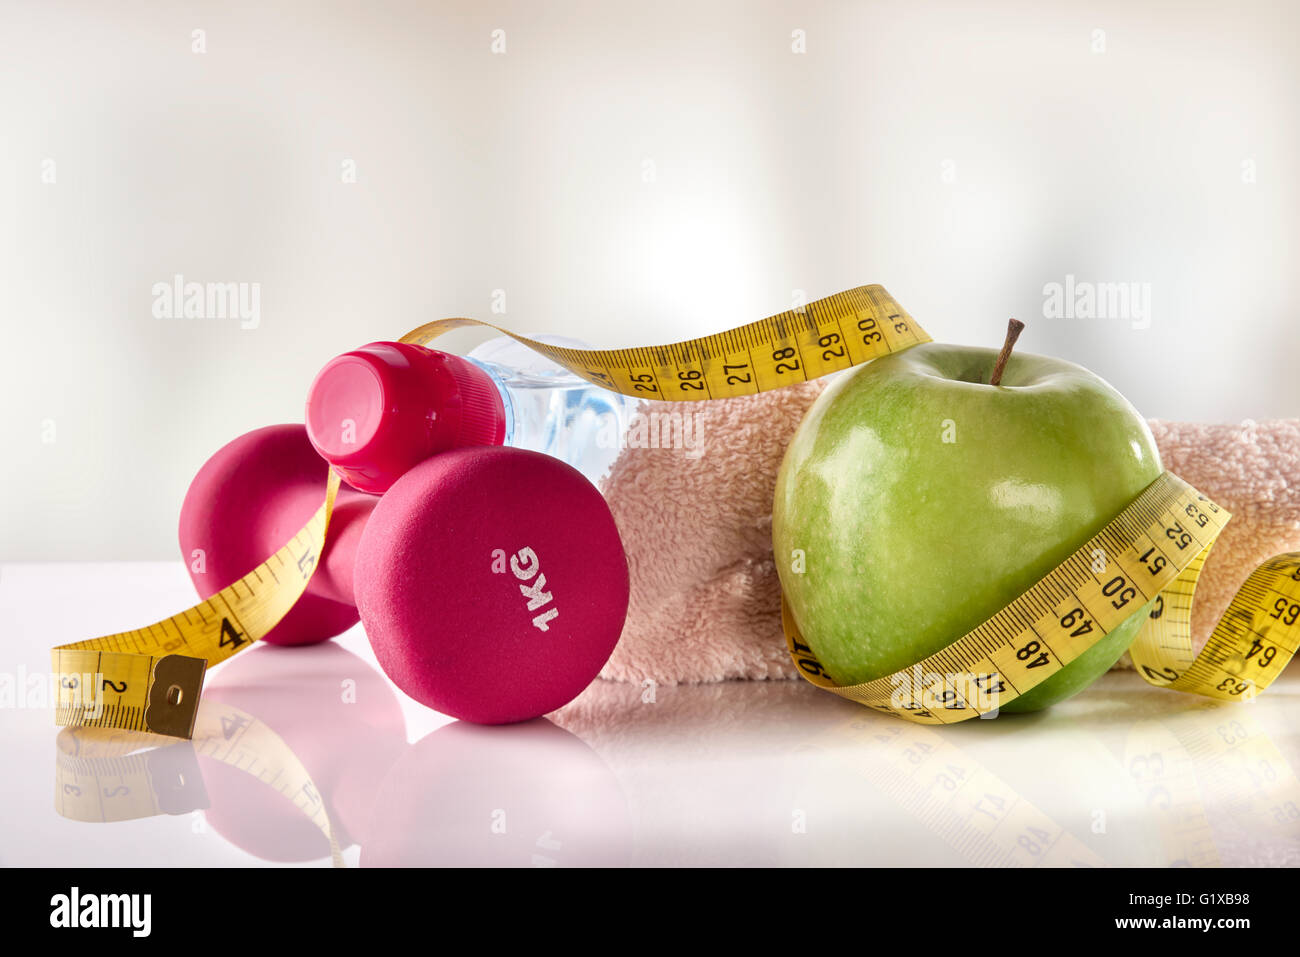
x=492, y=583
x=250, y=498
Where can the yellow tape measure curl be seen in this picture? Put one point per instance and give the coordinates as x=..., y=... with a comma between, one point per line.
x=825, y=336
x=151, y=678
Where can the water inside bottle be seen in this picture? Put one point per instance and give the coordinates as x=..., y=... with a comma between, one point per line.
x=551, y=410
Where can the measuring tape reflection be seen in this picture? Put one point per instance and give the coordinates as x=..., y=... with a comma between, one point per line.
x=1211, y=786
x=1217, y=764
x=976, y=813
x=102, y=775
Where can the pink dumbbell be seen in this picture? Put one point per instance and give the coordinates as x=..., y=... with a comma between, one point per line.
x=491, y=581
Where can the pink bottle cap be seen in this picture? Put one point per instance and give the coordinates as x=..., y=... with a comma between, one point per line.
x=375, y=412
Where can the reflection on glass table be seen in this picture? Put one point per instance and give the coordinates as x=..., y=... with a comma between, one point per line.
x=300, y=745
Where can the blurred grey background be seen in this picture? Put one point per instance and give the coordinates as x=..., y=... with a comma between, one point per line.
x=624, y=173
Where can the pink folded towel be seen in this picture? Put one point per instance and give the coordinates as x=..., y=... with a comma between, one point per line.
x=696, y=518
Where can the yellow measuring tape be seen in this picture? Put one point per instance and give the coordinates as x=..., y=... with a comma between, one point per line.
x=150, y=678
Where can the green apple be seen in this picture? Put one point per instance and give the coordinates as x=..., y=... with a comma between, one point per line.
x=916, y=500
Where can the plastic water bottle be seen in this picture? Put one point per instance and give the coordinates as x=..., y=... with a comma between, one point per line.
x=375, y=412
x=550, y=409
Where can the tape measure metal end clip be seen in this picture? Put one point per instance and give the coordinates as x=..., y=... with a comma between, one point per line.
x=174, y=695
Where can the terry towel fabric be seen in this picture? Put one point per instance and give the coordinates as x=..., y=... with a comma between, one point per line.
x=697, y=522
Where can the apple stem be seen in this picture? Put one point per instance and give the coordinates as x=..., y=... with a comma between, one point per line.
x=1014, y=328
